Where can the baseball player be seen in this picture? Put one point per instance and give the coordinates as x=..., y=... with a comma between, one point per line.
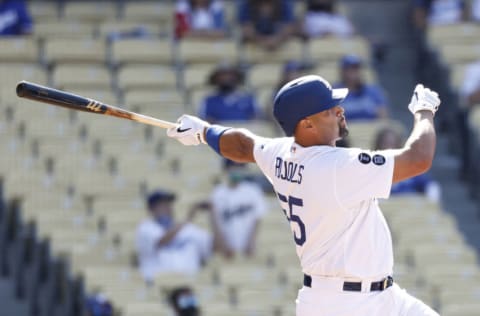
x=329, y=195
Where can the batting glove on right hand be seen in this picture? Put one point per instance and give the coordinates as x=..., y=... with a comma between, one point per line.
x=189, y=131
x=424, y=99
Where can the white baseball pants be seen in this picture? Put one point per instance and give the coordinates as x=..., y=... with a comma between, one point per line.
x=393, y=301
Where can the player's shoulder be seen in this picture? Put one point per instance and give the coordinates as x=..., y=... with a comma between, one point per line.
x=362, y=157
x=343, y=153
x=271, y=143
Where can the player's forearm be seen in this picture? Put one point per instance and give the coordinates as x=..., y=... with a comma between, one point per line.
x=232, y=143
x=237, y=145
x=420, y=146
x=416, y=156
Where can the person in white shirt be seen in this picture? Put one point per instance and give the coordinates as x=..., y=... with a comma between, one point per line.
x=238, y=207
x=322, y=20
x=166, y=246
x=201, y=19
x=470, y=89
x=447, y=12
x=329, y=194
x=438, y=12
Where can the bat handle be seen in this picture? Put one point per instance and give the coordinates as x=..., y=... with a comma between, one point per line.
x=153, y=121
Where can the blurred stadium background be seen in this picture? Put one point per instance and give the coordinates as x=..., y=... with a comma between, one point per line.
x=73, y=184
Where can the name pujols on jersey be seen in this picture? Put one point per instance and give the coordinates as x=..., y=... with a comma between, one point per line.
x=288, y=170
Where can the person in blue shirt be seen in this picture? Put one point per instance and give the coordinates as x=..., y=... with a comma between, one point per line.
x=228, y=102
x=364, y=101
x=14, y=18
x=267, y=23
x=390, y=138
x=98, y=305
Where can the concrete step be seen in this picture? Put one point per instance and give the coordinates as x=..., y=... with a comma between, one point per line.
x=456, y=198
x=9, y=305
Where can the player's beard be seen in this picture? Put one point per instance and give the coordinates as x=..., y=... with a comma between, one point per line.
x=342, y=129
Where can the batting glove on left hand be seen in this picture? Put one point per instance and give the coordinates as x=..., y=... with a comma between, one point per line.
x=189, y=131
x=424, y=99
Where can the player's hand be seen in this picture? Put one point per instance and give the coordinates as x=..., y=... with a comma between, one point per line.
x=190, y=130
x=424, y=99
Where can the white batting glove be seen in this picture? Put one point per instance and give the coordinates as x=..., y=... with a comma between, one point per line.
x=190, y=130
x=424, y=99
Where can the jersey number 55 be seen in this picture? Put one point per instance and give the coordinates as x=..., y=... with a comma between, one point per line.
x=292, y=218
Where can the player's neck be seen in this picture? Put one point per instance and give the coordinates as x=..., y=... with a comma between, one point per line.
x=308, y=142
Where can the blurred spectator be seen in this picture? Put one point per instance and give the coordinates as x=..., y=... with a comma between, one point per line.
x=164, y=245
x=267, y=23
x=98, y=305
x=475, y=10
x=14, y=18
x=470, y=89
x=364, y=101
x=438, y=12
x=200, y=19
x=292, y=69
x=237, y=205
x=137, y=32
x=389, y=138
x=228, y=102
x=183, y=302
x=322, y=20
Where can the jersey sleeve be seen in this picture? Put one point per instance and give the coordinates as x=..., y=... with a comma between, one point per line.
x=362, y=175
x=264, y=152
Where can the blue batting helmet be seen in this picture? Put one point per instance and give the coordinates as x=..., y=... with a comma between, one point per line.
x=303, y=97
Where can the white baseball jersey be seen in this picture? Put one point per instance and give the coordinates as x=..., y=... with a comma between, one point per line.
x=184, y=254
x=237, y=209
x=329, y=196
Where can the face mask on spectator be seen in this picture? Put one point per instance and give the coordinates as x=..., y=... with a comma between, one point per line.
x=236, y=177
x=226, y=86
x=164, y=220
x=187, y=305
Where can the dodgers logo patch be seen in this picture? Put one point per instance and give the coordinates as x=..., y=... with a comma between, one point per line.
x=378, y=160
x=364, y=158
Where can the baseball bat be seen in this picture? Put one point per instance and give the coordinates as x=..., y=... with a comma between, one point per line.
x=72, y=101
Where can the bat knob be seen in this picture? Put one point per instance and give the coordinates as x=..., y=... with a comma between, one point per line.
x=21, y=88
